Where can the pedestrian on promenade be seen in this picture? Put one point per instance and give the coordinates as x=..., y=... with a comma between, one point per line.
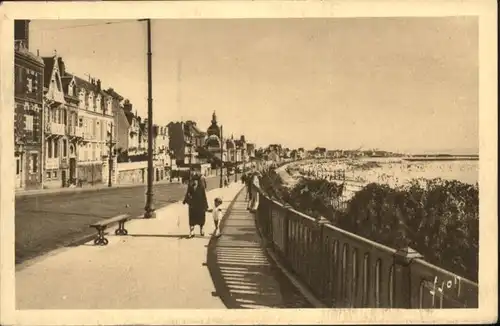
x=248, y=186
x=255, y=185
x=203, y=181
x=217, y=215
x=196, y=198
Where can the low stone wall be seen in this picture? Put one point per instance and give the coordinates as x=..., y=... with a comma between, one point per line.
x=131, y=176
x=136, y=173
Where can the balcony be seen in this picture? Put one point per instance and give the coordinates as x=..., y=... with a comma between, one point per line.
x=56, y=128
x=52, y=163
x=87, y=135
x=75, y=131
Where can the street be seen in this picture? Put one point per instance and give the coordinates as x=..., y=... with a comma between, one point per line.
x=46, y=222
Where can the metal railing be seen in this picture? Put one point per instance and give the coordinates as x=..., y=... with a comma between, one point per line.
x=344, y=270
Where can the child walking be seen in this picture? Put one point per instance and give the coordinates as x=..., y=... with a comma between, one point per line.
x=217, y=215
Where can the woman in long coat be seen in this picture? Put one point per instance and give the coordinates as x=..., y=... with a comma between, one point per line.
x=196, y=198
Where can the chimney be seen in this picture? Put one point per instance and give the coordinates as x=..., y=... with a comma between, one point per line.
x=62, y=67
x=22, y=31
x=98, y=85
x=127, y=106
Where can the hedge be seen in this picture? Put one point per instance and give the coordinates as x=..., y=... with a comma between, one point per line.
x=438, y=218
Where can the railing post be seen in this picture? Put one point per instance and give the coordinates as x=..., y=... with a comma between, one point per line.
x=286, y=220
x=317, y=260
x=402, y=281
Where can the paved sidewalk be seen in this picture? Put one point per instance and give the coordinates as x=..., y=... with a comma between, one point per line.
x=243, y=275
x=154, y=267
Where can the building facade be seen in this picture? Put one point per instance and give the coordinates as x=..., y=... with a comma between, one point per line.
x=28, y=111
x=250, y=151
x=184, y=140
x=96, y=119
x=213, y=142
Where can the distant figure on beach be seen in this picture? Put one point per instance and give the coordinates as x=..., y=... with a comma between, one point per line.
x=196, y=199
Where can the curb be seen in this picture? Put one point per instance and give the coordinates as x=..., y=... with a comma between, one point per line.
x=299, y=285
x=85, y=189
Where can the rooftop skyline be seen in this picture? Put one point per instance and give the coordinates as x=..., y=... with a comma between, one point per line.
x=401, y=84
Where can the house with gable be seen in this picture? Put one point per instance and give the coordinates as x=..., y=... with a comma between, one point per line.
x=56, y=110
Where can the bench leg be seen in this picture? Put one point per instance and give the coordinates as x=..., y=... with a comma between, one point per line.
x=100, y=240
x=121, y=229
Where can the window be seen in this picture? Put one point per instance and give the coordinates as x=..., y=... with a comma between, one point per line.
x=48, y=174
x=80, y=122
x=30, y=85
x=81, y=97
x=34, y=163
x=110, y=108
x=98, y=103
x=49, y=149
x=54, y=174
x=56, y=148
x=65, y=148
x=29, y=122
x=70, y=89
x=18, y=166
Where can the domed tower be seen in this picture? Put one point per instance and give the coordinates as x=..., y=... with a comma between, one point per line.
x=214, y=128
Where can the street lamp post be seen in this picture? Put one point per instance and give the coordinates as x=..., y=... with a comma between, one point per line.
x=110, y=158
x=236, y=163
x=221, y=159
x=171, y=155
x=149, y=208
x=190, y=155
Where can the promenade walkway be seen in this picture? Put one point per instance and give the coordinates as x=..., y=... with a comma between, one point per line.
x=243, y=275
x=157, y=267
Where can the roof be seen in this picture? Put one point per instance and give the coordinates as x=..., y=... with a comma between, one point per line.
x=82, y=83
x=49, y=66
x=21, y=48
x=212, y=141
x=230, y=143
x=130, y=116
x=114, y=94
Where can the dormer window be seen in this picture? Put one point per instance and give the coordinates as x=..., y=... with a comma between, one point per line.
x=109, y=106
x=71, y=91
x=81, y=97
x=98, y=103
x=91, y=101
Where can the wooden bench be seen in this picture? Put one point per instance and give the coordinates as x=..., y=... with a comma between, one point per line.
x=102, y=225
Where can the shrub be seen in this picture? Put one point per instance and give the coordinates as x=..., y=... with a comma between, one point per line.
x=438, y=218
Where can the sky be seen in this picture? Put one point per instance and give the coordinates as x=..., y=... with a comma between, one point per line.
x=402, y=84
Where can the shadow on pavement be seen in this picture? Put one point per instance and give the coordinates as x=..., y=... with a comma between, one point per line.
x=241, y=271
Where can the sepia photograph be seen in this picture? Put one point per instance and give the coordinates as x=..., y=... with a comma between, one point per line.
x=267, y=163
